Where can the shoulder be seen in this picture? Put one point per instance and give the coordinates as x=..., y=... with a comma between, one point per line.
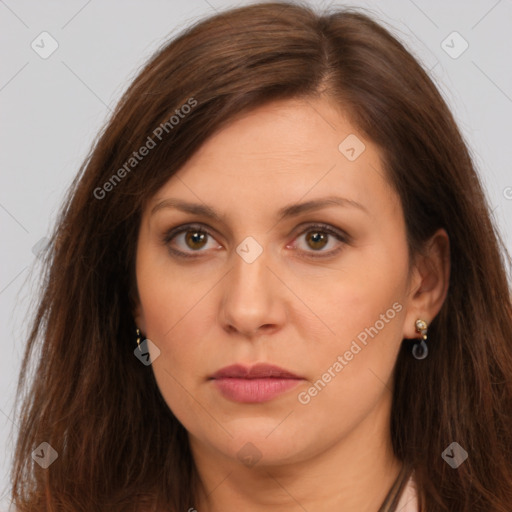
x=409, y=498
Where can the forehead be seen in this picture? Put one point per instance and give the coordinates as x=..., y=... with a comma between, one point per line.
x=281, y=153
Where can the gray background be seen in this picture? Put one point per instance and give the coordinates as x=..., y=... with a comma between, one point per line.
x=51, y=110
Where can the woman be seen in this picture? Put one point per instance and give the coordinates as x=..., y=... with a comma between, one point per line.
x=275, y=285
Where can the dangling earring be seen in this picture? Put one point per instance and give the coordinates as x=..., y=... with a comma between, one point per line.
x=420, y=349
x=139, y=336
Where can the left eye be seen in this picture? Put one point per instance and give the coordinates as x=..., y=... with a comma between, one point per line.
x=317, y=237
x=196, y=238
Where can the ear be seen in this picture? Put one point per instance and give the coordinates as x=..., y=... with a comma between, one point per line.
x=429, y=283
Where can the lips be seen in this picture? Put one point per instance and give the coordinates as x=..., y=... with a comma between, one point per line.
x=259, y=383
x=258, y=371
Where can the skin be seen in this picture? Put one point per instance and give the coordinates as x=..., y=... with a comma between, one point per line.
x=287, y=308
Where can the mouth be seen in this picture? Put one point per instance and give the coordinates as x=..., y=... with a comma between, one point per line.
x=255, y=384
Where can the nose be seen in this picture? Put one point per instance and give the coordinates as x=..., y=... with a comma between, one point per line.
x=253, y=301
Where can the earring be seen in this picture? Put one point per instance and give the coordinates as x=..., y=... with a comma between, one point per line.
x=138, y=339
x=420, y=349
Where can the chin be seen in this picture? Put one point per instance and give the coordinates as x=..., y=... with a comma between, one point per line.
x=259, y=445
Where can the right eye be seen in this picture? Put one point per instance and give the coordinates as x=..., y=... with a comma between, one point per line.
x=193, y=238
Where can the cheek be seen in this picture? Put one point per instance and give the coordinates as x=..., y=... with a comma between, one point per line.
x=176, y=315
x=168, y=293
x=177, y=328
x=175, y=320
x=365, y=311
x=339, y=406
x=353, y=370
x=368, y=295
x=173, y=297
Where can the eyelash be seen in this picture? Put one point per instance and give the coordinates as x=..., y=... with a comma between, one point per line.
x=319, y=227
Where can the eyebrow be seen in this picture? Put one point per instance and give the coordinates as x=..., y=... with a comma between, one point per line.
x=284, y=213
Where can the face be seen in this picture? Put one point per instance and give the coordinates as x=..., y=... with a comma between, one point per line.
x=320, y=291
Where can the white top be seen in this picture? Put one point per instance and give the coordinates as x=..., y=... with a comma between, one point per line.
x=409, y=498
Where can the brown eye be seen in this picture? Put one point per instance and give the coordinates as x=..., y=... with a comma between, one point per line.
x=317, y=239
x=184, y=241
x=195, y=239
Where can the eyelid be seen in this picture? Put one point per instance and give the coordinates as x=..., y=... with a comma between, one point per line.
x=343, y=237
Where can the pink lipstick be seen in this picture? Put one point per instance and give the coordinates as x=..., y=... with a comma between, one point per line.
x=259, y=383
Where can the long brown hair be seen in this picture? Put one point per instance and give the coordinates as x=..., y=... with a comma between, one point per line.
x=119, y=446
